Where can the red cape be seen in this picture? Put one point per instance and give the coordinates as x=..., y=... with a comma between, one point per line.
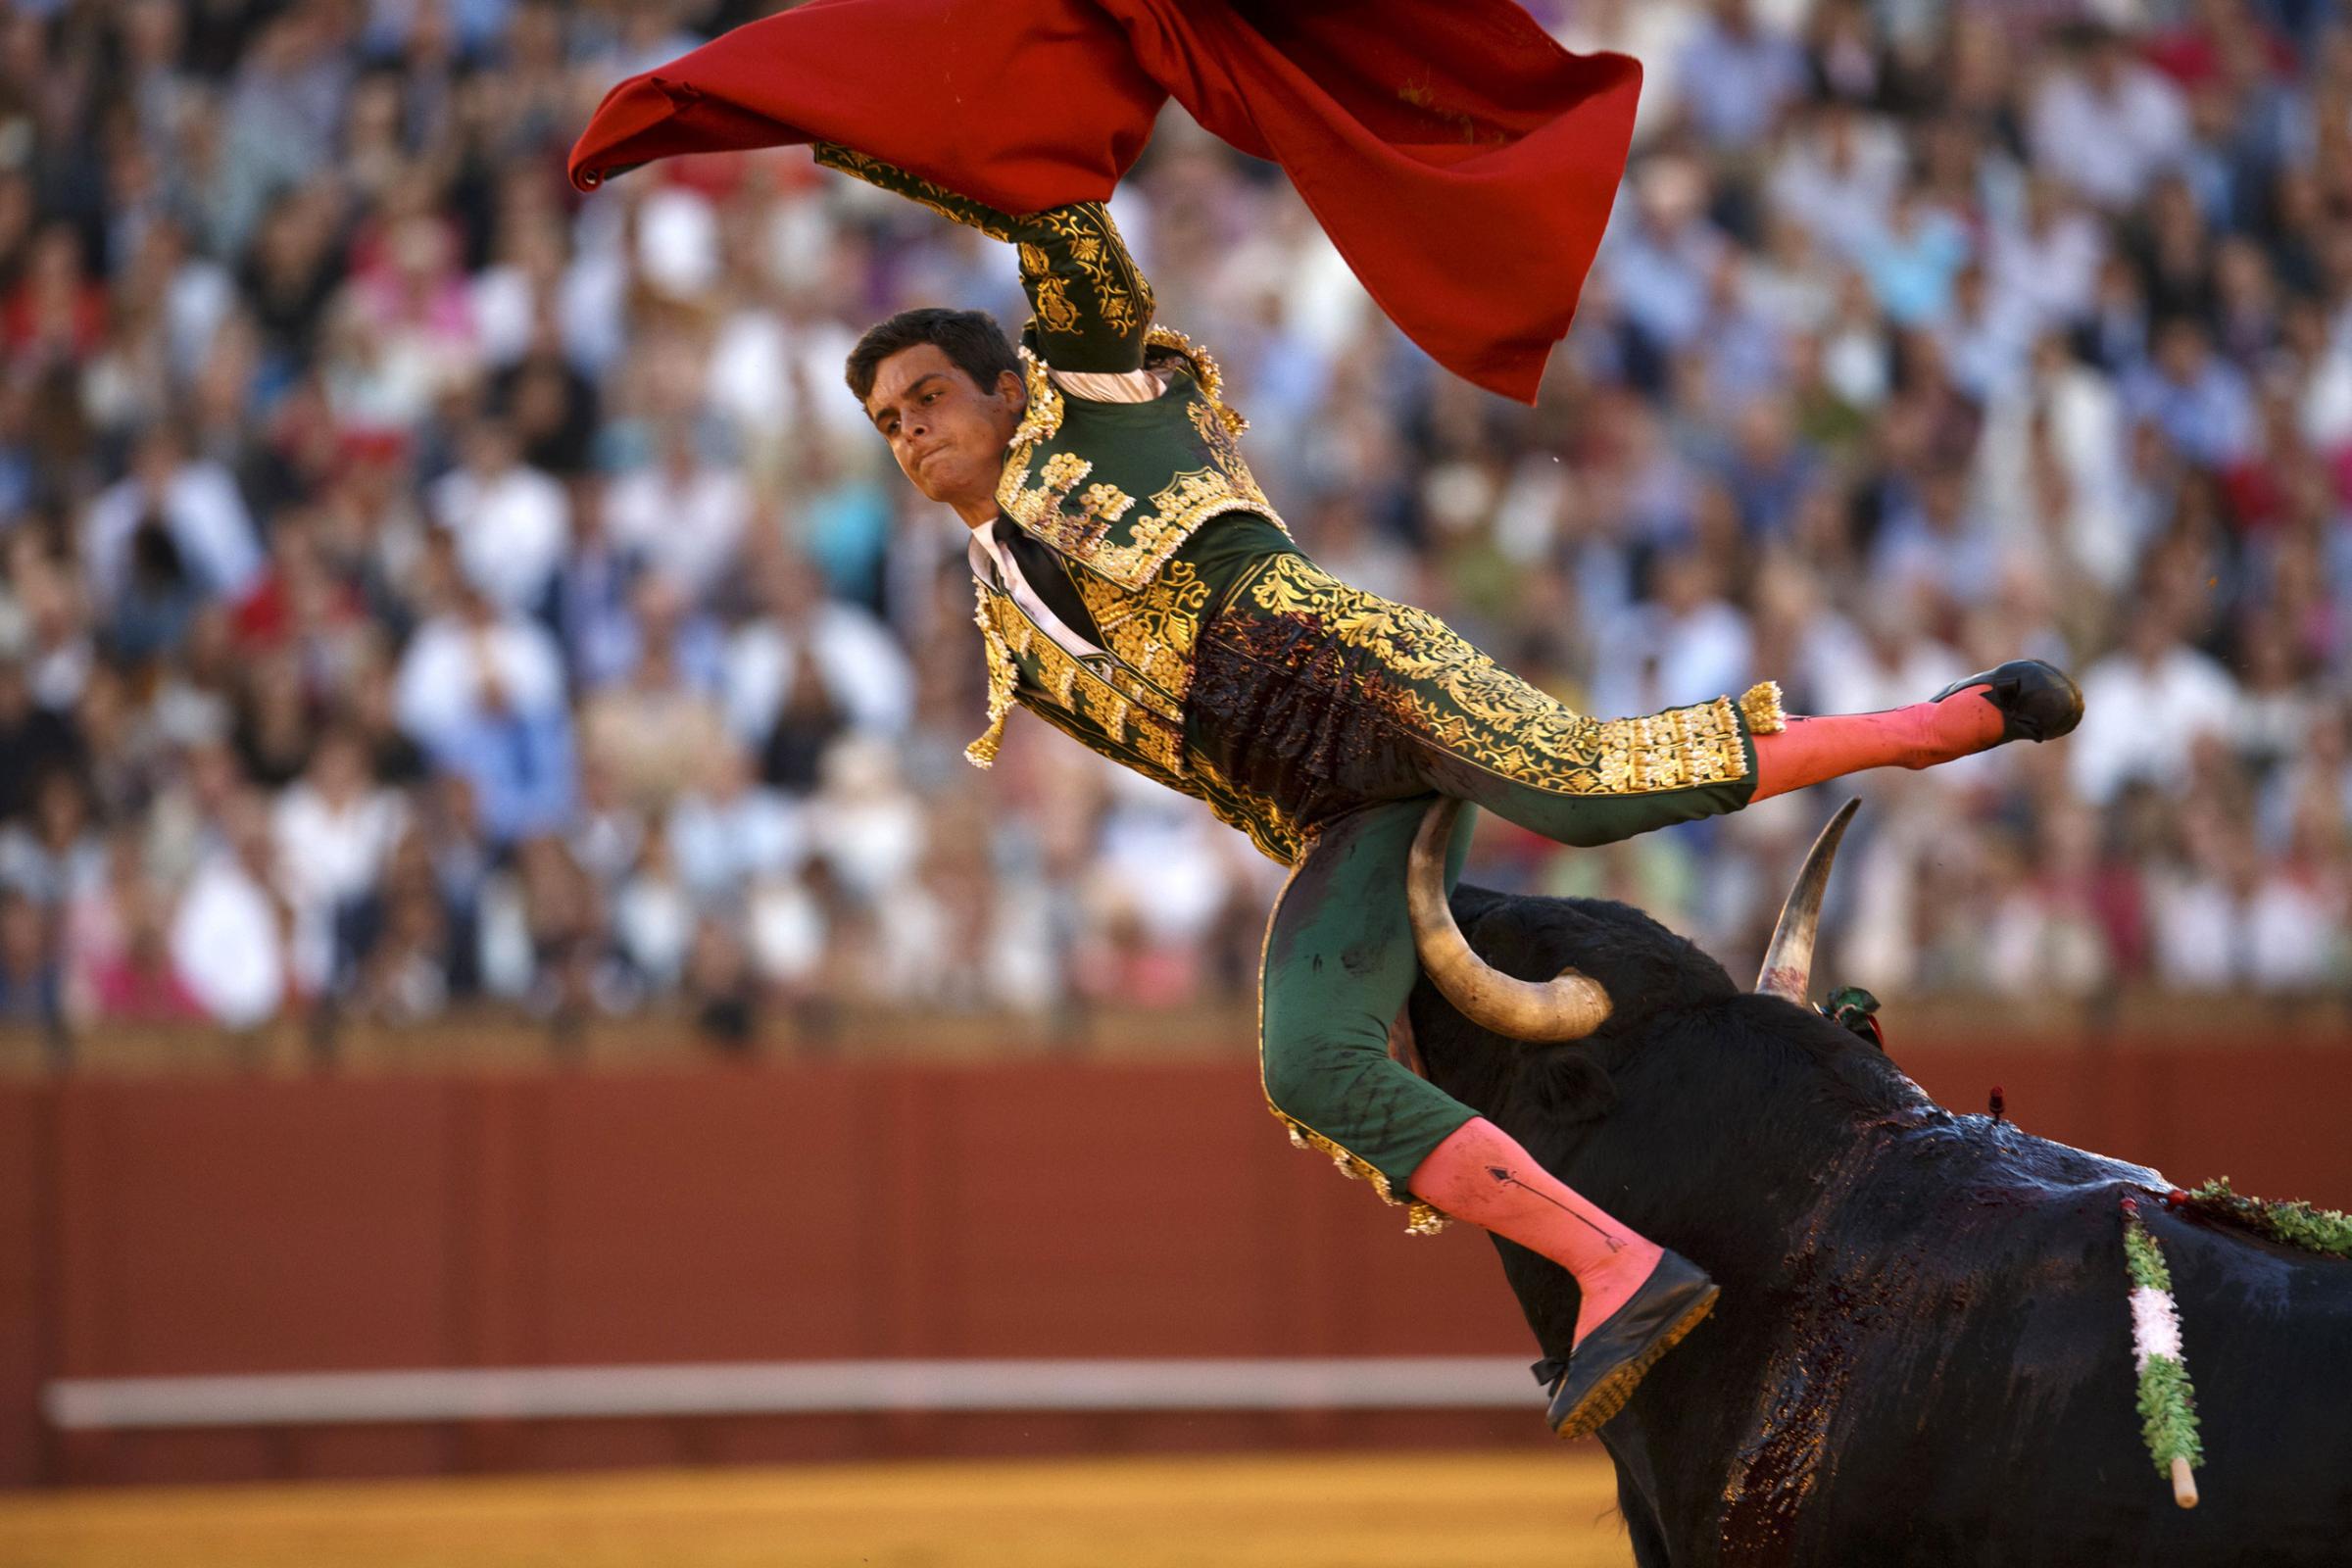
x=1461, y=160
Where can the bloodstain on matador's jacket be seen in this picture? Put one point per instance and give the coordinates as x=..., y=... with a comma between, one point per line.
x=1121, y=496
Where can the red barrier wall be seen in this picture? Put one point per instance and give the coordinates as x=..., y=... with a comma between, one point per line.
x=191, y=1226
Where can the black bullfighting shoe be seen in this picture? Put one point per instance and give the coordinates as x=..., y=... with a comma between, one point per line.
x=1610, y=1364
x=2038, y=702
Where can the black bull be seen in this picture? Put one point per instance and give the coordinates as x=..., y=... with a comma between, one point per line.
x=1923, y=1349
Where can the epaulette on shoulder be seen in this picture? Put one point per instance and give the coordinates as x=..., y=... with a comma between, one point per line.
x=1165, y=342
x=1043, y=420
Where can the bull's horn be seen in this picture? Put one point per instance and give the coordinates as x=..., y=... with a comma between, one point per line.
x=1789, y=962
x=1568, y=1006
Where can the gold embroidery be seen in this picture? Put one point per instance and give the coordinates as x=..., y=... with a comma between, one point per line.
x=1226, y=454
x=1760, y=705
x=1039, y=422
x=1123, y=299
x=1192, y=498
x=1028, y=668
x=1106, y=500
x=1044, y=512
x=1061, y=688
x=1269, y=828
x=1053, y=307
x=1003, y=679
x=1162, y=745
x=1448, y=691
x=1189, y=499
x=1038, y=508
x=1205, y=372
x=922, y=192
x=1152, y=630
x=1420, y=1219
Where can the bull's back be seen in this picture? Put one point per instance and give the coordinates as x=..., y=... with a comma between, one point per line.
x=2267, y=1331
x=2002, y=1426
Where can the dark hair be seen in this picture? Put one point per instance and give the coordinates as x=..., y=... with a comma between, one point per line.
x=972, y=339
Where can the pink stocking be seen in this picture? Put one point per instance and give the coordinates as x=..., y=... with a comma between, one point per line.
x=1482, y=1175
x=1812, y=749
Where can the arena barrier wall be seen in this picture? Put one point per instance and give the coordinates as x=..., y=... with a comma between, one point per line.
x=217, y=1279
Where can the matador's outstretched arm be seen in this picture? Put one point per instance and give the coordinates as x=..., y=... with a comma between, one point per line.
x=1091, y=305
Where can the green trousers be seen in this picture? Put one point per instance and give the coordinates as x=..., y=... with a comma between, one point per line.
x=1339, y=963
x=1352, y=713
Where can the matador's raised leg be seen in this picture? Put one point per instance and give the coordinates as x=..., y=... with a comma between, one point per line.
x=2024, y=700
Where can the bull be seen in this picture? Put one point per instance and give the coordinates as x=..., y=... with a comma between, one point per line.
x=1923, y=1351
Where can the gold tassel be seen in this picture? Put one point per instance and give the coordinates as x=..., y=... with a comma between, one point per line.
x=982, y=752
x=1003, y=678
x=1423, y=1219
x=1760, y=705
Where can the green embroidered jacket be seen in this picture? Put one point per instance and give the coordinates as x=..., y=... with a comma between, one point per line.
x=1119, y=492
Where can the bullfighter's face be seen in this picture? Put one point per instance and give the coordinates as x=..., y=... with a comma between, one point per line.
x=947, y=433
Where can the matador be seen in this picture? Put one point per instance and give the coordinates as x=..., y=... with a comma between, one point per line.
x=1138, y=590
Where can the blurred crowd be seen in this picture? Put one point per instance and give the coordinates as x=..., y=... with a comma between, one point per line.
x=420, y=583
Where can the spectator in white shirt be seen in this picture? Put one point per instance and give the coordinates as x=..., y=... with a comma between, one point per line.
x=802, y=653
x=2142, y=708
x=1662, y=253
x=335, y=831
x=2295, y=932
x=1687, y=645
x=2194, y=396
x=1839, y=178
x=458, y=659
x=2048, y=261
x=1936, y=540
x=2108, y=125
x=509, y=520
x=683, y=515
x=652, y=915
x=228, y=934
x=729, y=830
x=864, y=823
x=198, y=506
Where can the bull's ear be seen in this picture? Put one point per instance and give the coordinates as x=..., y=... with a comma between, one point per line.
x=1568, y=1085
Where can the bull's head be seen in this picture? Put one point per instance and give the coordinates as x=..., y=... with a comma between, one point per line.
x=1571, y=1004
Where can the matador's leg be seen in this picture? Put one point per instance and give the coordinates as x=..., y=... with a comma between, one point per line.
x=1367, y=695
x=2023, y=700
x=1338, y=964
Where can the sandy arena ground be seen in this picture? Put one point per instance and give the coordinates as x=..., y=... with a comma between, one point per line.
x=1252, y=1511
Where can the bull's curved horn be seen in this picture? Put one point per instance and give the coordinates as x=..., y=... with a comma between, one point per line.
x=1568, y=1006
x=1789, y=962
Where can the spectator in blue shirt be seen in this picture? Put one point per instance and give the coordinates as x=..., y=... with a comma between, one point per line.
x=2194, y=396
x=1737, y=75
